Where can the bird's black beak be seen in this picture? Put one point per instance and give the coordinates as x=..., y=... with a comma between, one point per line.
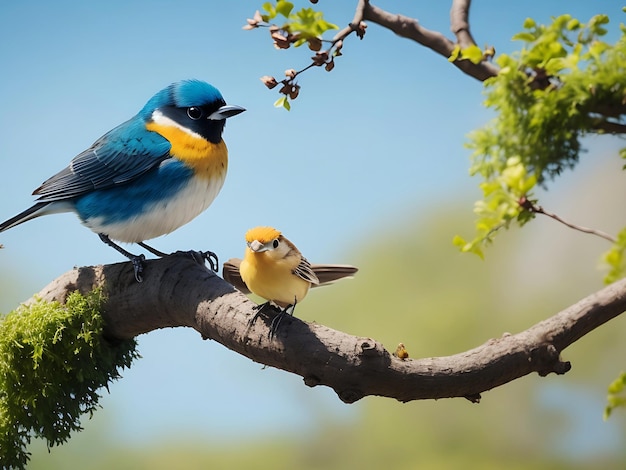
x=226, y=111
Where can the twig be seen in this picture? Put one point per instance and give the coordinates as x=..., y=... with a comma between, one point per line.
x=410, y=28
x=402, y=25
x=537, y=209
x=353, y=25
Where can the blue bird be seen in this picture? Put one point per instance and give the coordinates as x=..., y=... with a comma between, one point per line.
x=148, y=176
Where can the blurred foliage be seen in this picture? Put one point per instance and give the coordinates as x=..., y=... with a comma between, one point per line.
x=617, y=395
x=563, y=84
x=615, y=258
x=53, y=361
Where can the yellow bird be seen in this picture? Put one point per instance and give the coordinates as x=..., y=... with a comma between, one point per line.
x=274, y=269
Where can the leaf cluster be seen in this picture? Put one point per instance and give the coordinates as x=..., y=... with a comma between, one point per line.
x=615, y=258
x=305, y=26
x=565, y=83
x=307, y=23
x=53, y=360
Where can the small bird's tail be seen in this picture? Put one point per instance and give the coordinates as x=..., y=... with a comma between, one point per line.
x=230, y=273
x=326, y=273
x=39, y=209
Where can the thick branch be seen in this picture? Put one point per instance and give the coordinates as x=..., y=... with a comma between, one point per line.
x=610, y=127
x=410, y=28
x=179, y=292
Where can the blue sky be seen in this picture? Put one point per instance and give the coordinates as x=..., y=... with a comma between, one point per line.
x=375, y=139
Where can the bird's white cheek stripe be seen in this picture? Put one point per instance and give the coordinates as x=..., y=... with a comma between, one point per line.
x=159, y=118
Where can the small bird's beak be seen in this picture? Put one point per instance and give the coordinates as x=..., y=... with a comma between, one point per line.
x=226, y=111
x=256, y=246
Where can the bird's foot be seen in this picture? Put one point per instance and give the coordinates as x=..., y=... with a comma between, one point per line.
x=137, y=262
x=258, y=308
x=201, y=257
x=208, y=256
x=276, y=323
x=288, y=310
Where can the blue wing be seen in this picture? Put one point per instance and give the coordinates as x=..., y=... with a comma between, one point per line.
x=117, y=157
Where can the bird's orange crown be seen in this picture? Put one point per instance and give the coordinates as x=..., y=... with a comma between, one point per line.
x=262, y=234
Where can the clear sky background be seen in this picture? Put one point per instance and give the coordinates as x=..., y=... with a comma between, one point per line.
x=378, y=138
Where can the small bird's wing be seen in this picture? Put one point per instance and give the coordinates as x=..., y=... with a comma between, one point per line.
x=304, y=271
x=327, y=273
x=230, y=273
x=324, y=273
x=119, y=156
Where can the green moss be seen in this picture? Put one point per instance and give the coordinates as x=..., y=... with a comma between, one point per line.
x=53, y=360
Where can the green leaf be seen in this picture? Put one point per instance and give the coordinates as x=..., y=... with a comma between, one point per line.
x=271, y=11
x=284, y=8
x=615, y=396
x=467, y=247
x=573, y=24
x=283, y=102
x=615, y=259
x=473, y=53
x=527, y=37
x=456, y=52
x=309, y=23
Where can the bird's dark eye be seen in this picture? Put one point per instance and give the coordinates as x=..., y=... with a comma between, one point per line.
x=275, y=243
x=194, y=113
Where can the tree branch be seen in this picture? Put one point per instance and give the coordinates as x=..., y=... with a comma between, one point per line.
x=459, y=22
x=353, y=25
x=610, y=127
x=410, y=28
x=537, y=209
x=179, y=292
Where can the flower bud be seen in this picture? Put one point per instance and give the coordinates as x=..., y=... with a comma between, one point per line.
x=269, y=82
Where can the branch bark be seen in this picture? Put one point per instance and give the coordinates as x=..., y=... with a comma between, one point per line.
x=610, y=127
x=410, y=28
x=177, y=291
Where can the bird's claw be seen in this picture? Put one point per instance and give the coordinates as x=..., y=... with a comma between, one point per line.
x=211, y=258
x=258, y=309
x=274, y=325
x=201, y=257
x=198, y=256
x=275, y=321
x=137, y=262
x=288, y=310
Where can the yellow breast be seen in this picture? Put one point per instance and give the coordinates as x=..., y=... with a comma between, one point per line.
x=206, y=158
x=271, y=279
